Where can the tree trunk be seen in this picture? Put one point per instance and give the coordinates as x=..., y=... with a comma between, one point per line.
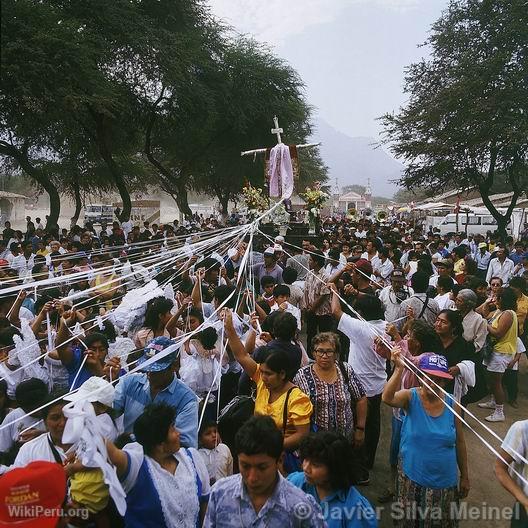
x=181, y=198
x=40, y=177
x=115, y=171
x=78, y=201
x=224, y=203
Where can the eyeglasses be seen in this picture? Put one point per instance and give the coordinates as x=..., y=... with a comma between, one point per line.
x=324, y=352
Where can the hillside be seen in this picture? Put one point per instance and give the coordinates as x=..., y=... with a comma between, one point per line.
x=354, y=159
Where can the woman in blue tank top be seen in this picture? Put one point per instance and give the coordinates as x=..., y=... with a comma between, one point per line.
x=432, y=448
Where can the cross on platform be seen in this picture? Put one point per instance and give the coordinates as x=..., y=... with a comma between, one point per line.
x=277, y=130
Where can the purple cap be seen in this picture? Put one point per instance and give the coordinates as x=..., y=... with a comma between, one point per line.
x=435, y=365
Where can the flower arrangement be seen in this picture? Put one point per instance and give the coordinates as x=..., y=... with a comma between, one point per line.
x=315, y=198
x=280, y=216
x=254, y=200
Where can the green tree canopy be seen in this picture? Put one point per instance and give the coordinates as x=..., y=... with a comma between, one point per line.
x=466, y=120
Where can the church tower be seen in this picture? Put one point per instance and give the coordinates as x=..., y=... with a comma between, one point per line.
x=368, y=196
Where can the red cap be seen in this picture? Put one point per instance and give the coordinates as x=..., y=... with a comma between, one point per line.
x=32, y=496
x=4, y=262
x=365, y=266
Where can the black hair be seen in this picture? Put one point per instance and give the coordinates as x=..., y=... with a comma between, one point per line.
x=6, y=336
x=384, y=251
x=155, y=308
x=289, y=275
x=420, y=282
x=206, y=424
x=31, y=393
x=207, y=337
x=477, y=282
x=370, y=307
x=519, y=283
x=508, y=299
x=210, y=264
x=455, y=320
x=152, y=426
x=335, y=452
x=424, y=265
x=267, y=324
x=222, y=292
x=277, y=360
x=96, y=337
x=194, y=312
x=54, y=399
x=426, y=335
x=266, y=280
x=446, y=283
x=319, y=257
x=259, y=436
x=281, y=289
x=284, y=326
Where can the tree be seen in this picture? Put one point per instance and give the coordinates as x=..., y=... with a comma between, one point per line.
x=253, y=85
x=466, y=120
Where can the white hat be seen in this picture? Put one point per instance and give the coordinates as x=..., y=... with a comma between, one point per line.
x=94, y=389
x=277, y=247
x=279, y=239
x=269, y=251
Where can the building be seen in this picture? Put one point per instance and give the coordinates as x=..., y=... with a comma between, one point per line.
x=353, y=200
x=12, y=208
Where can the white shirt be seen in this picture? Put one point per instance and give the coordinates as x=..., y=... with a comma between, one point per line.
x=391, y=303
x=37, y=449
x=10, y=434
x=504, y=270
x=218, y=461
x=475, y=329
x=444, y=301
x=367, y=364
x=290, y=309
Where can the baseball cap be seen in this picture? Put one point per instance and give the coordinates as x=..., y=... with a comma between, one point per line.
x=443, y=262
x=94, y=389
x=482, y=245
x=269, y=251
x=398, y=273
x=279, y=239
x=364, y=266
x=32, y=496
x=156, y=346
x=435, y=365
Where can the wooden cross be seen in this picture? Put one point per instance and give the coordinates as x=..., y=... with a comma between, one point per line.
x=277, y=130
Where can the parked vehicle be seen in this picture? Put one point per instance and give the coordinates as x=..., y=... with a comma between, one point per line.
x=470, y=223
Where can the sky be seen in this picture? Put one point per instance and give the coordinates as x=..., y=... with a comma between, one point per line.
x=351, y=54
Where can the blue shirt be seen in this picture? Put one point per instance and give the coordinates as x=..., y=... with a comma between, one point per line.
x=132, y=395
x=342, y=509
x=288, y=507
x=428, y=446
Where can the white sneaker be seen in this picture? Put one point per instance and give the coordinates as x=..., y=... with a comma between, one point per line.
x=487, y=405
x=495, y=417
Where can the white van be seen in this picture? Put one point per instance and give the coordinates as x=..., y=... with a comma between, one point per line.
x=477, y=224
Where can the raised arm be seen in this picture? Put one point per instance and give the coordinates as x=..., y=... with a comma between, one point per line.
x=14, y=315
x=196, y=294
x=337, y=311
x=391, y=394
x=246, y=361
x=64, y=350
x=118, y=458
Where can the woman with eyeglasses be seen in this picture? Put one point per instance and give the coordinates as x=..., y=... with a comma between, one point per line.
x=335, y=391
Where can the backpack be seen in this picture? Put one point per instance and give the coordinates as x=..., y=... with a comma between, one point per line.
x=237, y=412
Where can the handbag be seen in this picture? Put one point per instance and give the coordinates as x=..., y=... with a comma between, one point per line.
x=237, y=412
x=291, y=461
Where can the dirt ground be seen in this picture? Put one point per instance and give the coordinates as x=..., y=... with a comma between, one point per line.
x=486, y=494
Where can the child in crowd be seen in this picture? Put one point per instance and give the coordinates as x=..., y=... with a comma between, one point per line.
x=216, y=456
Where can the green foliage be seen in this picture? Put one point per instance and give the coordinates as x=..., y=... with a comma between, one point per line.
x=466, y=119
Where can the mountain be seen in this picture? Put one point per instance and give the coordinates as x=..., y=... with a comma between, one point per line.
x=354, y=159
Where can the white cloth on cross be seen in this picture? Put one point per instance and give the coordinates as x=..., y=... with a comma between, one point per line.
x=280, y=172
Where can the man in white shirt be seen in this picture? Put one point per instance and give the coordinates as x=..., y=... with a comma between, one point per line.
x=392, y=296
x=367, y=364
x=281, y=295
x=500, y=266
x=382, y=267
x=482, y=258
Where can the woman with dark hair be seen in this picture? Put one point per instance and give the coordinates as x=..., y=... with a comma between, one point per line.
x=432, y=448
x=503, y=329
x=338, y=397
x=165, y=485
x=158, y=321
x=329, y=474
x=276, y=396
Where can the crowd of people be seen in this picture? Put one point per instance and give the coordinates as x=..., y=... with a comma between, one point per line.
x=202, y=374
